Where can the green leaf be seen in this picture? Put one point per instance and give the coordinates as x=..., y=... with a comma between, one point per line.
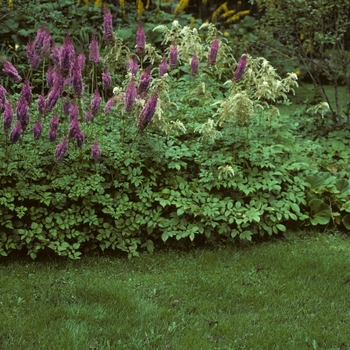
x=320, y=212
x=346, y=221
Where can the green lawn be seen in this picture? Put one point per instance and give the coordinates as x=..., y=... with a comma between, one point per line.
x=290, y=294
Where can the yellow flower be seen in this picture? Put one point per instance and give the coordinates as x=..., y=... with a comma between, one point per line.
x=192, y=22
x=139, y=4
x=181, y=6
x=122, y=3
x=302, y=36
x=298, y=72
x=226, y=33
x=228, y=13
x=98, y=3
x=204, y=2
x=10, y=4
x=147, y=5
x=221, y=8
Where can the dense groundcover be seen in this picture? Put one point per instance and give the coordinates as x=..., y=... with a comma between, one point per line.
x=190, y=146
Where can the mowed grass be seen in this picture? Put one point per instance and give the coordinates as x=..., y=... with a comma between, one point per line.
x=290, y=294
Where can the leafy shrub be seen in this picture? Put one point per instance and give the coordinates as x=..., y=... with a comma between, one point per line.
x=186, y=158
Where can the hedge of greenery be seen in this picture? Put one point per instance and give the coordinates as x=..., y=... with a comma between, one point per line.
x=189, y=147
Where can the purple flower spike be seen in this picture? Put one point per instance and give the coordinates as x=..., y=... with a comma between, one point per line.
x=8, y=115
x=26, y=92
x=30, y=48
x=95, y=151
x=242, y=63
x=52, y=99
x=41, y=103
x=66, y=105
x=55, y=54
x=147, y=112
x=52, y=135
x=194, y=65
x=145, y=79
x=11, y=72
x=106, y=80
x=107, y=26
x=88, y=116
x=94, y=52
x=73, y=111
x=74, y=127
x=110, y=103
x=37, y=129
x=132, y=66
x=79, y=137
x=50, y=77
x=163, y=67
x=16, y=133
x=61, y=149
x=77, y=78
x=140, y=40
x=67, y=55
x=3, y=93
x=81, y=61
x=213, y=52
x=173, y=54
x=36, y=62
x=130, y=95
x=96, y=102
x=22, y=112
x=54, y=122
x=39, y=39
x=45, y=51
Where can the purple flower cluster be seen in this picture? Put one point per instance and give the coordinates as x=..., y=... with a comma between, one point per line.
x=132, y=65
x=214, y=48
x=148, y=111
x=140, y=40
x=22, y=112
x=242, y=63
x=11, y=72
x=107, y=26
x=61, y=149
x=54, y=122
x=130, y=94
x=106, y=80
x=194, y=65
x=37, y=129
x=145, y=79
x=95, y=151
x=16, y=132
x=163, y=67
x=8, y=115
x=94, y=51
x=173, y=55
x=66, y=56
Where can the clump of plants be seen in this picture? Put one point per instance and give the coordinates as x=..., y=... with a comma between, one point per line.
x=167, y=152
